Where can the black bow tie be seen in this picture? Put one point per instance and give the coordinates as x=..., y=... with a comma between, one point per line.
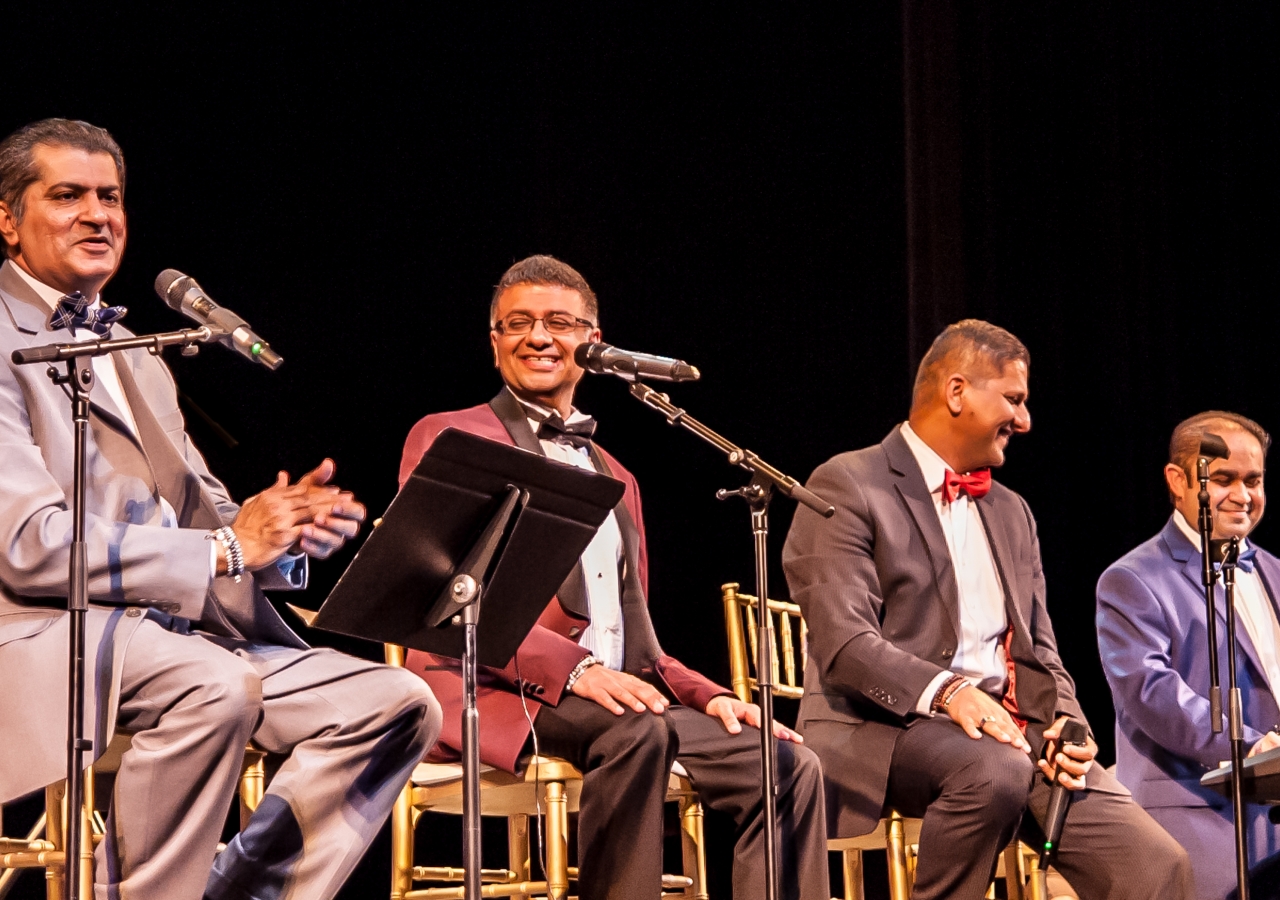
x=73, y=312
x=577, y=435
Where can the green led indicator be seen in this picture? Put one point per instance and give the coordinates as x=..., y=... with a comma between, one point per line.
x=1048, y=845
x=256, y=348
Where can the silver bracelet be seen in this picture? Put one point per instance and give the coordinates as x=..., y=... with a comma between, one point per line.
x=235, y=553
x=585, y=663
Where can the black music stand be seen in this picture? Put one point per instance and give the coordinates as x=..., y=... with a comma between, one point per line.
x=477, y=520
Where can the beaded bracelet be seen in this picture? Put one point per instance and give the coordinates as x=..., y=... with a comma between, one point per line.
x=947, y=692
x=235, y=553
x=585, y=663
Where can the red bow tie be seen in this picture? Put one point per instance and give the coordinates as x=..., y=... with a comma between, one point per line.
x=975, y=484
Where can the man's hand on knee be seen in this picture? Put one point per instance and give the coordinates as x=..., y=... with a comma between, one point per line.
x=732, y=712
x=978, y=714
x=616, y=690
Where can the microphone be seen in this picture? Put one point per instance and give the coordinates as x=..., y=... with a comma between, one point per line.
x=1073, y=732
x=186, y=296
x=1212, y=446
x=605, y=359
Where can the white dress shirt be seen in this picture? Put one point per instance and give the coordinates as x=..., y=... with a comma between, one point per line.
x=601, y=561
x=1257, y=613
x=980, y=652
x=104, y=368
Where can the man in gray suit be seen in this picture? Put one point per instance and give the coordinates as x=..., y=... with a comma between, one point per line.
x=184, y=651
x=934, y=679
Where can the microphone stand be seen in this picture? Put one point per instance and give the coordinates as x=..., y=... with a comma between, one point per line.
x=1208, y=577
x=78, y=382
x=1228, y=553
x=757, y=493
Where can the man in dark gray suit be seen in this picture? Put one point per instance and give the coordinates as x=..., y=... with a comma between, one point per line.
x=934, y=681
x=184, y=651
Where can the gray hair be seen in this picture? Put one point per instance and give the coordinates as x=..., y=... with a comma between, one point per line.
x=17, y=154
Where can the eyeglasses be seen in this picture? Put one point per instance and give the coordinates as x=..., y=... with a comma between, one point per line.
x=519, y=323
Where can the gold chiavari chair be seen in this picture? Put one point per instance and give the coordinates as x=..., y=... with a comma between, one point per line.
x=549, y=787
x=897, y=836
x=43, y=846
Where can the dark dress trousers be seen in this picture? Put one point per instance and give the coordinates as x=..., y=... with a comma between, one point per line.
x=625, y=759
x=877, y=587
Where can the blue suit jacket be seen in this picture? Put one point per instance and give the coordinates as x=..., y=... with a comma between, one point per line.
x=1152, y=637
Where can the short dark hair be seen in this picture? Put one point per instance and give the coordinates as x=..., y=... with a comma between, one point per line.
x=17, y=154
x=549, y=271
x=974, y=342
x=1184, y=445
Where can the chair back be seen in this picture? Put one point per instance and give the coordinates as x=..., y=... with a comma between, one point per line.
x=790, y=633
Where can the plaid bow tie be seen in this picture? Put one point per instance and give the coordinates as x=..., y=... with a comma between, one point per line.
x=73, y=312
x=577, y=435
x=975, y=484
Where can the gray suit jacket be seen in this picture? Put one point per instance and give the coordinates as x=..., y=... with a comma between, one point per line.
x=878, y=591
x=133, y=560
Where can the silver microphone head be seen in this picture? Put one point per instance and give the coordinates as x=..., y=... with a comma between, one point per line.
x=171, y=285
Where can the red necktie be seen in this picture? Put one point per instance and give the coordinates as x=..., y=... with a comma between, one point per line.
x=975, y=484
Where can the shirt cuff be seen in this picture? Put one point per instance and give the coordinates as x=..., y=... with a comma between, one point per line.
x=924, y=704
x=292, y=568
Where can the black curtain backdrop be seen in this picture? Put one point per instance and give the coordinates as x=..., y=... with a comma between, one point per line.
x=796, y=201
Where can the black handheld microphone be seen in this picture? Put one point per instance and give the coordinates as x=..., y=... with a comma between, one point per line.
x=609, y=360
x=186, y=296
x=1073, y=732
x=1212, y=446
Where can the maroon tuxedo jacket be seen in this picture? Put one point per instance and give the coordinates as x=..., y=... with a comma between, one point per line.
x=549, y=653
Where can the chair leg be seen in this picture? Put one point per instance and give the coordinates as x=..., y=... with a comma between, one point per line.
x=85, y=887
x=852, y=867
x=557, y=832
x=519, y=856
x=253, y=781
x=56, y=834
x=402, y=844
x=896, y=851
x=1037, y=880
x=1013, y=871
x=694, y=848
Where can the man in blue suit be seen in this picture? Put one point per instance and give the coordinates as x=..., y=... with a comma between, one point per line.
x=1152, y=637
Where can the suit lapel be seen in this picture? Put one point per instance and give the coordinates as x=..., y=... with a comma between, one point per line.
x=919, y=502
x=30, y=317
x=640, y=641
x=1183, y=551
x=177, y=483
x=515, y=418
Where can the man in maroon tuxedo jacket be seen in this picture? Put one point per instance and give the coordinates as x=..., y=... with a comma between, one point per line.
x=591, y=675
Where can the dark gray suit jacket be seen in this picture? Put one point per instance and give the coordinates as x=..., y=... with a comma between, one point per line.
x=878, y=591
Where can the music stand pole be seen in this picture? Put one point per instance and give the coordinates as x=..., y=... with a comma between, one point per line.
x=466, y=590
